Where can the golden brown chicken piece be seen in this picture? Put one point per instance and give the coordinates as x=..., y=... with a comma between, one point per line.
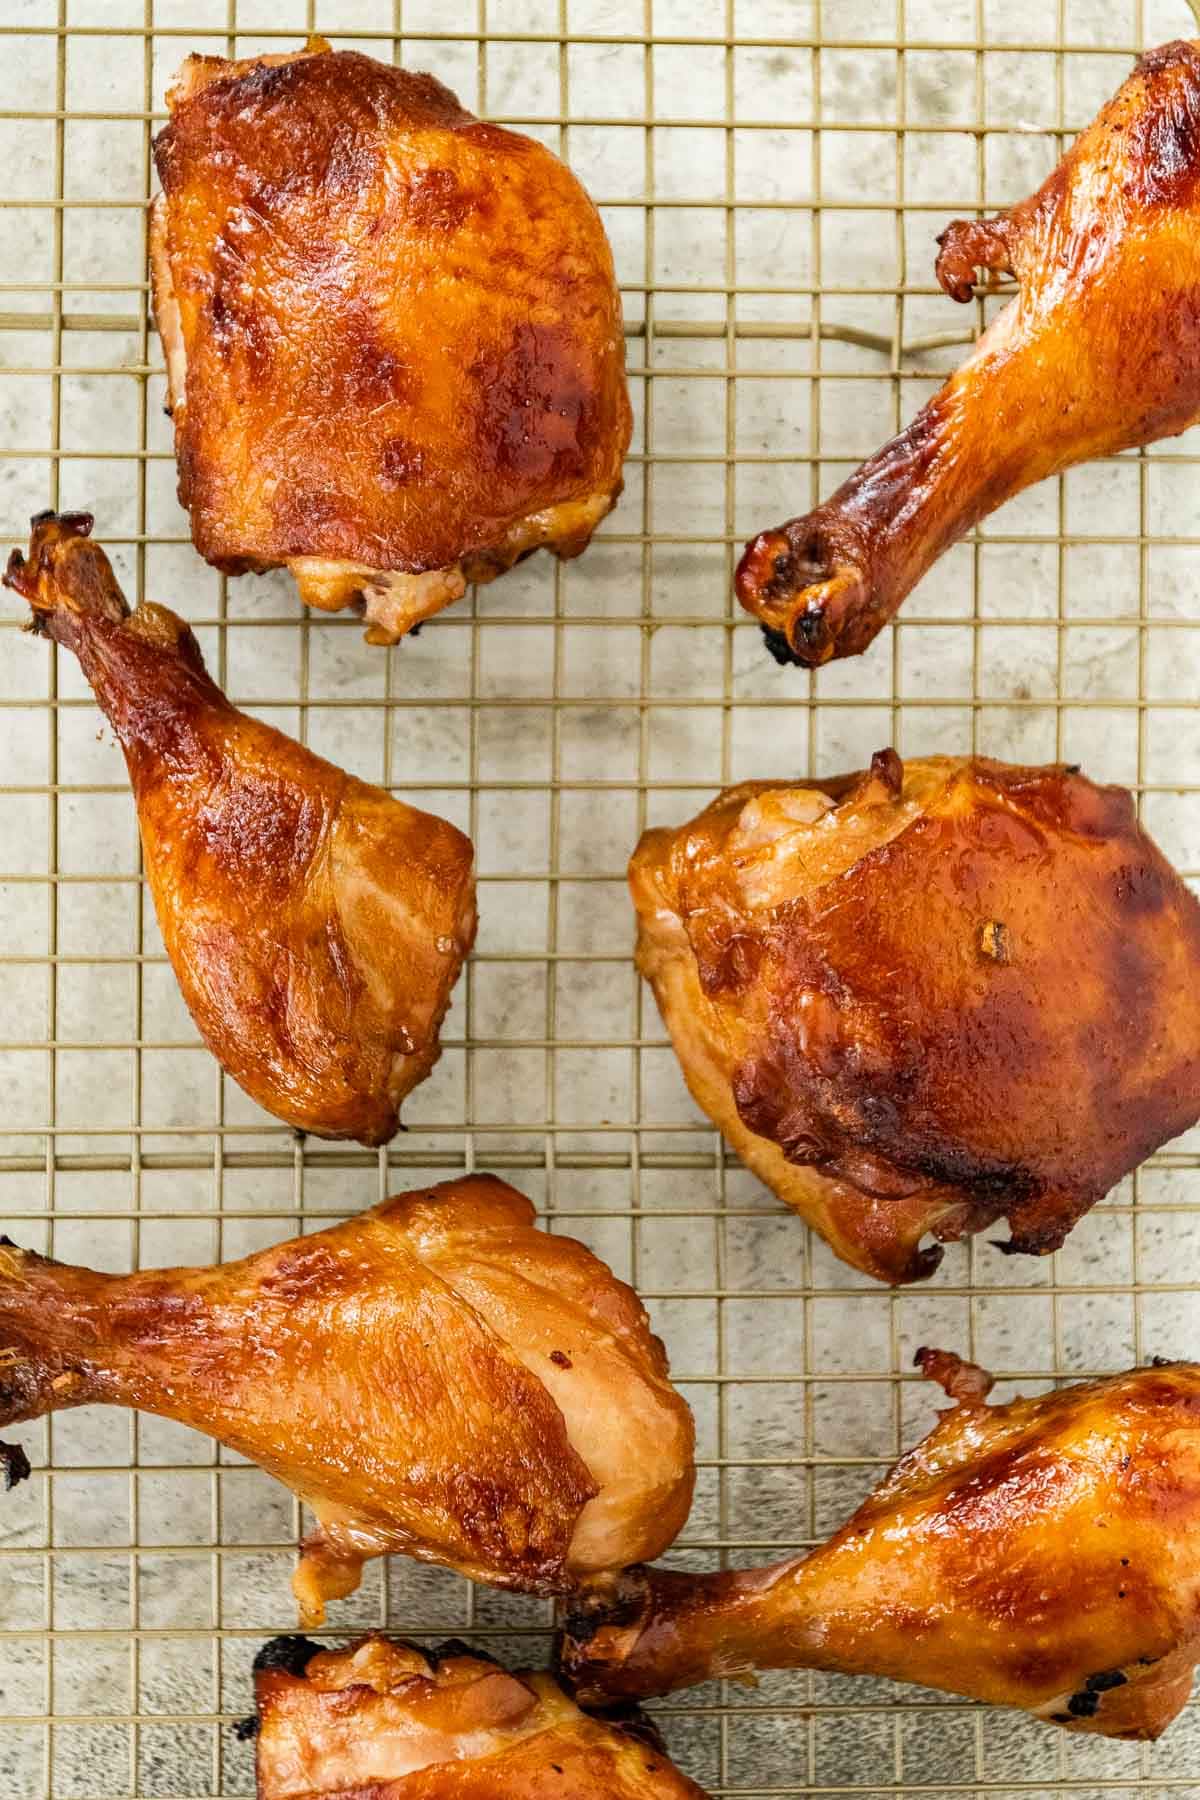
x=394, y=345
x=927, y=997
x=434, y=1377
x=1043, y=1555
x=315, y=924
x=1099, y=351
x=382, y=1720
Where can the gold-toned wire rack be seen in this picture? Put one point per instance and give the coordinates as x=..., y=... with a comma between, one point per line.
x=772, y=173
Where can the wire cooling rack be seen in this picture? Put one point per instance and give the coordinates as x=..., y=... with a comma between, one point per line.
x=772, y=174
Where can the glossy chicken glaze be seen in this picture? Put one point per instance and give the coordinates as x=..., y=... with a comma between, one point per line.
x=928, y=997
x=434, y=1377
x=316, y=925
x=1099, y=351
x=393, y=333
x=380, y=1720
x=1043, y=1555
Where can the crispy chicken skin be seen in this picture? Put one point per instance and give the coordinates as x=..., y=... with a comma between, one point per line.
x=1043, y=1555
x=382, y=1720
x=435, y=1377
x=315, y=924
x=393, y=335
x=927, y=997
x=1099, y=351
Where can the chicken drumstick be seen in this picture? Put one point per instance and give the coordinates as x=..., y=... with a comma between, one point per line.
x=434, y=1377
x=315, y=924
x=382, y=1720
x=1043, y=1555
x=1098, y=352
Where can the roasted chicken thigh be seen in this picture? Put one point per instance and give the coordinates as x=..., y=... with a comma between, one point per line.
x=394, y=344
x=1043, y=1555
x=382, y=1720
x=316, y=925
x=1099, y=351
x=434, y=1377
x=927, y=997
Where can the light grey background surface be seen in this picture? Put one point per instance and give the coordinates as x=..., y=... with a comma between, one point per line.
x=771, y=171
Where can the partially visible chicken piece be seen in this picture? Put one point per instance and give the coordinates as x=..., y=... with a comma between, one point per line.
x=316, y=925
x=382, y=1720
x=1043, y=1555
x=1098, y=352
x=395, y=353
x=927, y=997
x=433, y=1377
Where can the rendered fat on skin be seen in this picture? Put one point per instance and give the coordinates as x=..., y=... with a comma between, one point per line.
x=393, y=334
x=316, y=925
x=382, y=1720
x=1098, y=352
x=1042, y=1555
x=927, y=997
x=434, y=1377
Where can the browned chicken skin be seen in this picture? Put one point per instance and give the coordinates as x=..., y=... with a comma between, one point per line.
x=928, y=997
x=434, y=1377
x=382, y=1720
x=1098, y=352
x=315, y=924
x=1043, y=1555
x=394, y=343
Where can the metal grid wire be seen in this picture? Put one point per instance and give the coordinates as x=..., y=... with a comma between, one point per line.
x=772, y=173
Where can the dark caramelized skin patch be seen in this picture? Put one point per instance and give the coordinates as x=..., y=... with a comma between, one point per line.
x=1041, y=1555
x=1100, y=351
x=895, y=1015
x=14, y=1465
x=537, y=413
x=434, y=200
x=359, y=263
x=1164, y=158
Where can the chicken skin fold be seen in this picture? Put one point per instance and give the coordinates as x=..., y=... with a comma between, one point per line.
x=316, y=925
x=394, y=345
x=1042, y=1555
x=926, y=997
x=382, y=1720
x=1098, y=352
x=434, y=1377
